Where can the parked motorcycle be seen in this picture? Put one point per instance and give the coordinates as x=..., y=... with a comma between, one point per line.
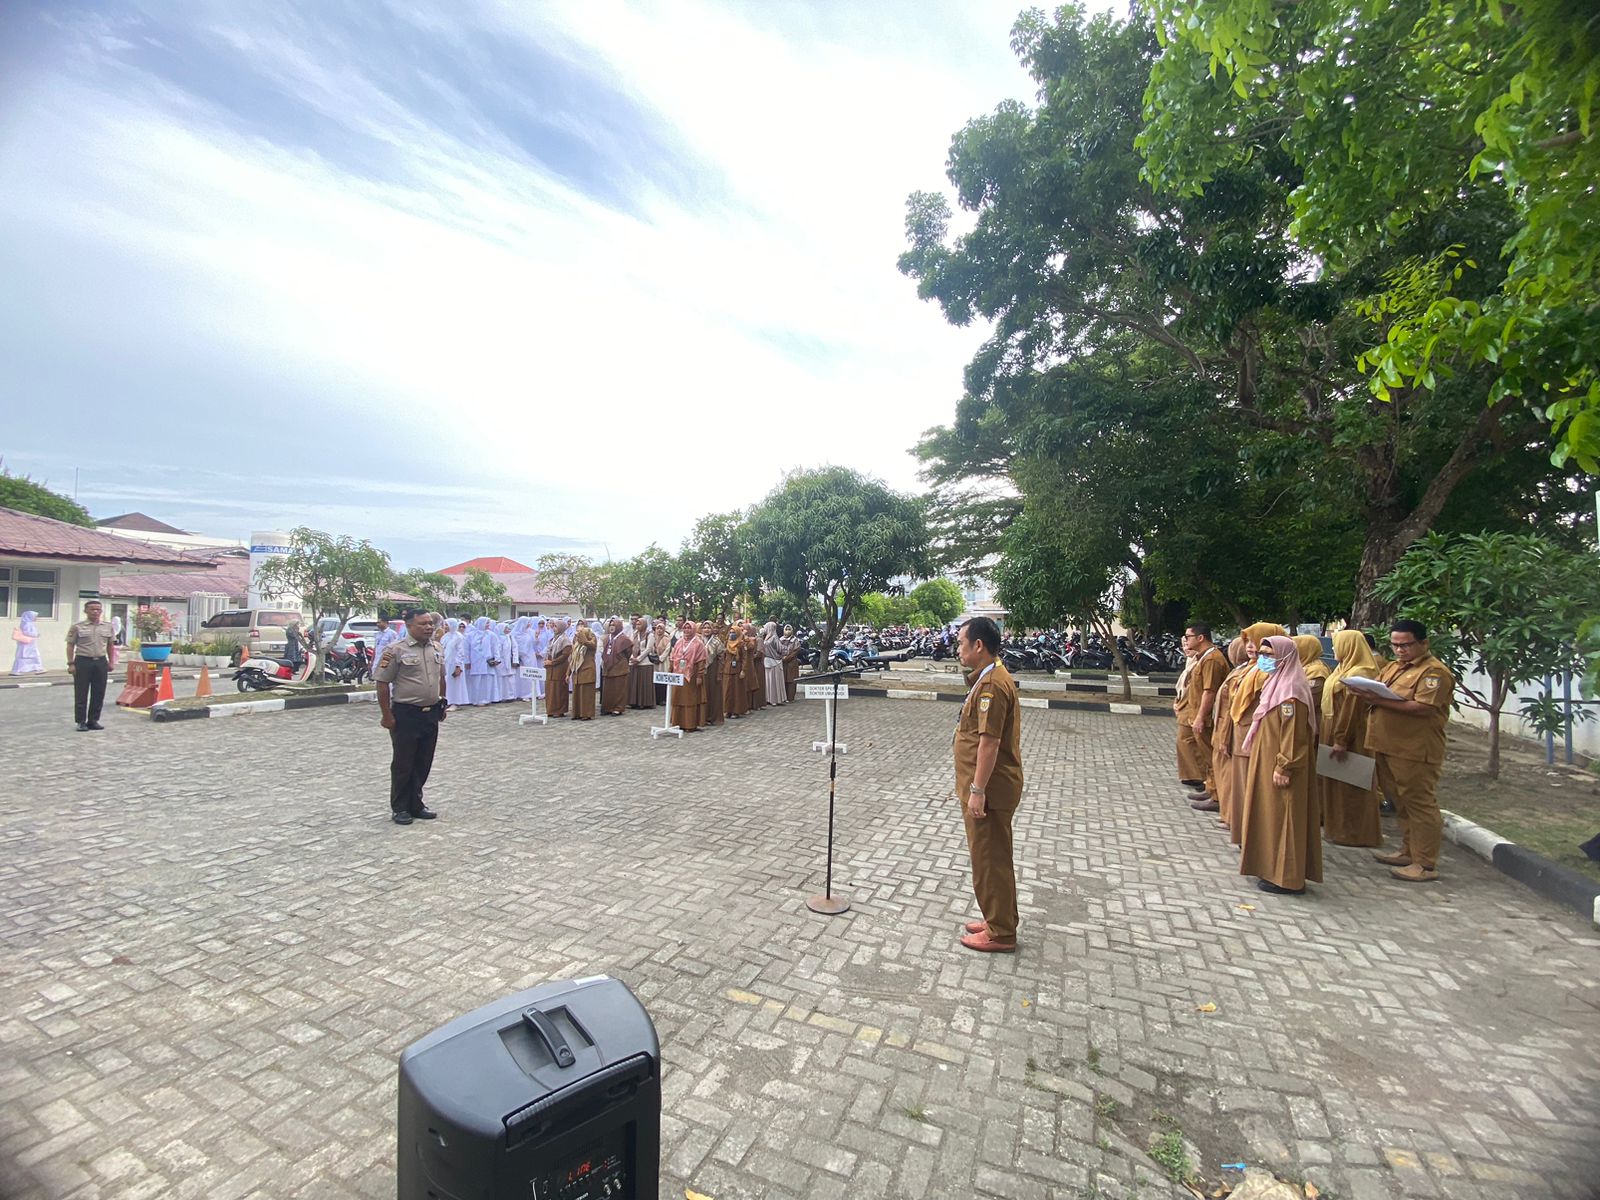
x=262, y=674
x=347, y=665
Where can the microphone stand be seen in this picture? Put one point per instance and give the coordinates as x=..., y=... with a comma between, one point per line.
x=828, y=904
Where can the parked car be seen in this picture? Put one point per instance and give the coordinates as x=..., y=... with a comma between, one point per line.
x=259, y=630
x=356, y=628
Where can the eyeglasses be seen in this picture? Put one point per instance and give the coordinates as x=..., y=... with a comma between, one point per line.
x=1401, y=645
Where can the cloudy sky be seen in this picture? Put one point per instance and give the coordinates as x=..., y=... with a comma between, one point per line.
x=473, y=276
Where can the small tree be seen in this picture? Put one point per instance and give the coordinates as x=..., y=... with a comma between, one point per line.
x=333, y=577
x=941, y=599
x=1508, y=605
x=574, y=575
x=480, y=594
x=432, y=588
x=835, y=535
x=709, y=573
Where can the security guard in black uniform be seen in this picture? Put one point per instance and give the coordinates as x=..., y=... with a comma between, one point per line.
x=410, y=678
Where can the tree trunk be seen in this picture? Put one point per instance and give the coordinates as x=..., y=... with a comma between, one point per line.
x=1497, y=697
x=1379, y=553
x=1107, y=630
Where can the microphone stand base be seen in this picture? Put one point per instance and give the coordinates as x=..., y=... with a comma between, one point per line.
x=829, y=906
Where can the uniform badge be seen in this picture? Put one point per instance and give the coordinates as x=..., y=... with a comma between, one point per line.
x=983, y=705
x=1288, y=709
x=1431, y=682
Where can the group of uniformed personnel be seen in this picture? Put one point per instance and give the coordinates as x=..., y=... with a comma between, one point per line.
x=1251, y=720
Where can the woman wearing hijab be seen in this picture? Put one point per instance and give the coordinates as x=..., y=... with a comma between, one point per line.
x=522, y=644
x=688, y=698
x=476, y=652
x=772, y=658
x=1309, y=647
x=1349, y=814
x=735, y=696
x=790, y=645
x=26, y=636
x=1241, y=711
x=714, y=635
x=456, y=659
x=641, y=671
x=584, y=674
x=661, y=647
x=755, y=679
x=557, y=661
x=1281, y=831
x=1222, y=733
x=505, y=671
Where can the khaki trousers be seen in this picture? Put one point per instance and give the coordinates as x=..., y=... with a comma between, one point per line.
x=1413, y=785
x=994, y=873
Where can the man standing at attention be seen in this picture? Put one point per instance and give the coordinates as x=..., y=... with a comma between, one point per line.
x=1406, y=736
x=410, y=678
x=989, y=784
x=1197, y=696
x=89, y=661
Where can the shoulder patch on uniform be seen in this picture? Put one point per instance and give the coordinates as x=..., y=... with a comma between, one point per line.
x=388, y=657
x=983, y=705
x=1432, y=681
x=1288, y=709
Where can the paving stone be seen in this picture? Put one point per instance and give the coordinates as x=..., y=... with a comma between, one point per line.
x=212, y=953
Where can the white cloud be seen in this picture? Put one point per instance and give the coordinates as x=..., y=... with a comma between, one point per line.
x=492, y=321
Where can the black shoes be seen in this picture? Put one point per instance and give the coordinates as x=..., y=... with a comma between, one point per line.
x=424, y=814
x=95, y=725
x=402, y=818
x=83, y=727
x=1274, y=890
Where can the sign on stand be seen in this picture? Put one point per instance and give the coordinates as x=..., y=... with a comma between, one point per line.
x=533, y=716
x=672, y=679
x=826, y=693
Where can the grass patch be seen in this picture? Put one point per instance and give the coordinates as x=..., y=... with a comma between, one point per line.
x=916, y=1114
x=1106, y=1106
x=1168, y=1152
x=1094, y=1061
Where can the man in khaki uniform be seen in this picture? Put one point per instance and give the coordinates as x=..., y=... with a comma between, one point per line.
x=1197, y=697
x=1406, y=736
x=89, y=658
x=989, y=784
x=410, y=678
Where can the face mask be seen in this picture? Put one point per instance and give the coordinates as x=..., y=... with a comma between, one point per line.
x=1267, y=664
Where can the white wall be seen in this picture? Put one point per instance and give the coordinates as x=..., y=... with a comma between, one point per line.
x=71, y=578
x=1585, y=738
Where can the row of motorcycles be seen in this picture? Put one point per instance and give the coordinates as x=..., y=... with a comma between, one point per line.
x=340, y=664
x=1054, y=650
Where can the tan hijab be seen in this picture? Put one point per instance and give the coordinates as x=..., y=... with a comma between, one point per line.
x=1309, y=647
x=1248, y=688
x=1354, y=657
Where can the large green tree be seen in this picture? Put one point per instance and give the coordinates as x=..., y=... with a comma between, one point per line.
x=25, y=495
x=834, y=535
x=1397, y=116
x=711, y=568
x=1203, y=301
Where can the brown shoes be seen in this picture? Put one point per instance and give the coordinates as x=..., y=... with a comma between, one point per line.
x=1206, y=805
x=1415, y=873
x=986, y=944
x=1392, y=860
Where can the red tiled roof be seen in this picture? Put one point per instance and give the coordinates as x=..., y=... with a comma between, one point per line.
x=495, y=566
x=137, y=522
x=231, y=577
x=523, y=587
x=23, y=535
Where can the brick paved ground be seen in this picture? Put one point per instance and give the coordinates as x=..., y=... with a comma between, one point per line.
x=214, y=945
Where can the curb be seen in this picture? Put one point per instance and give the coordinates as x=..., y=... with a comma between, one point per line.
x=39, y=683
x=245, y=708
x=1561, y=885
x=1115, y=706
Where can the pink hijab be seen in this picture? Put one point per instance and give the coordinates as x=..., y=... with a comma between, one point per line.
x=1287, y=682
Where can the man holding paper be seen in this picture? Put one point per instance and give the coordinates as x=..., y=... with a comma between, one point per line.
x=1405, y=733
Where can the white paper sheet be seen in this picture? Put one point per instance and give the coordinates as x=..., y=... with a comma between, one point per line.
x=1355, y=769
x=1371, y=686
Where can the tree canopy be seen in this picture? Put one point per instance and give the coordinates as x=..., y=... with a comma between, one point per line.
x=1186, y=367
x=332, y=576
x=835, y=535
x=25, y=495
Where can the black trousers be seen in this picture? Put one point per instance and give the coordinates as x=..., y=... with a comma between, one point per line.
x=89, y=677
x=415, y=736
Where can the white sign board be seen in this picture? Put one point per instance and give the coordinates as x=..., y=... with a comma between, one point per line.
x=670, y=678
x=532, y=672
x=826, y=691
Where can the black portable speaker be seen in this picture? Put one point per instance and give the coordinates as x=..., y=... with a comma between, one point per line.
x=553, y=1093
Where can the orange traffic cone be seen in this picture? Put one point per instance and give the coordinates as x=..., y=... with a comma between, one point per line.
x=244, y=655
x=203, y=688
x=164, y=692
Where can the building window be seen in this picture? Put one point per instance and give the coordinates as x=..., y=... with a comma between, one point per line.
x=5, y=591
x=36, y=592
